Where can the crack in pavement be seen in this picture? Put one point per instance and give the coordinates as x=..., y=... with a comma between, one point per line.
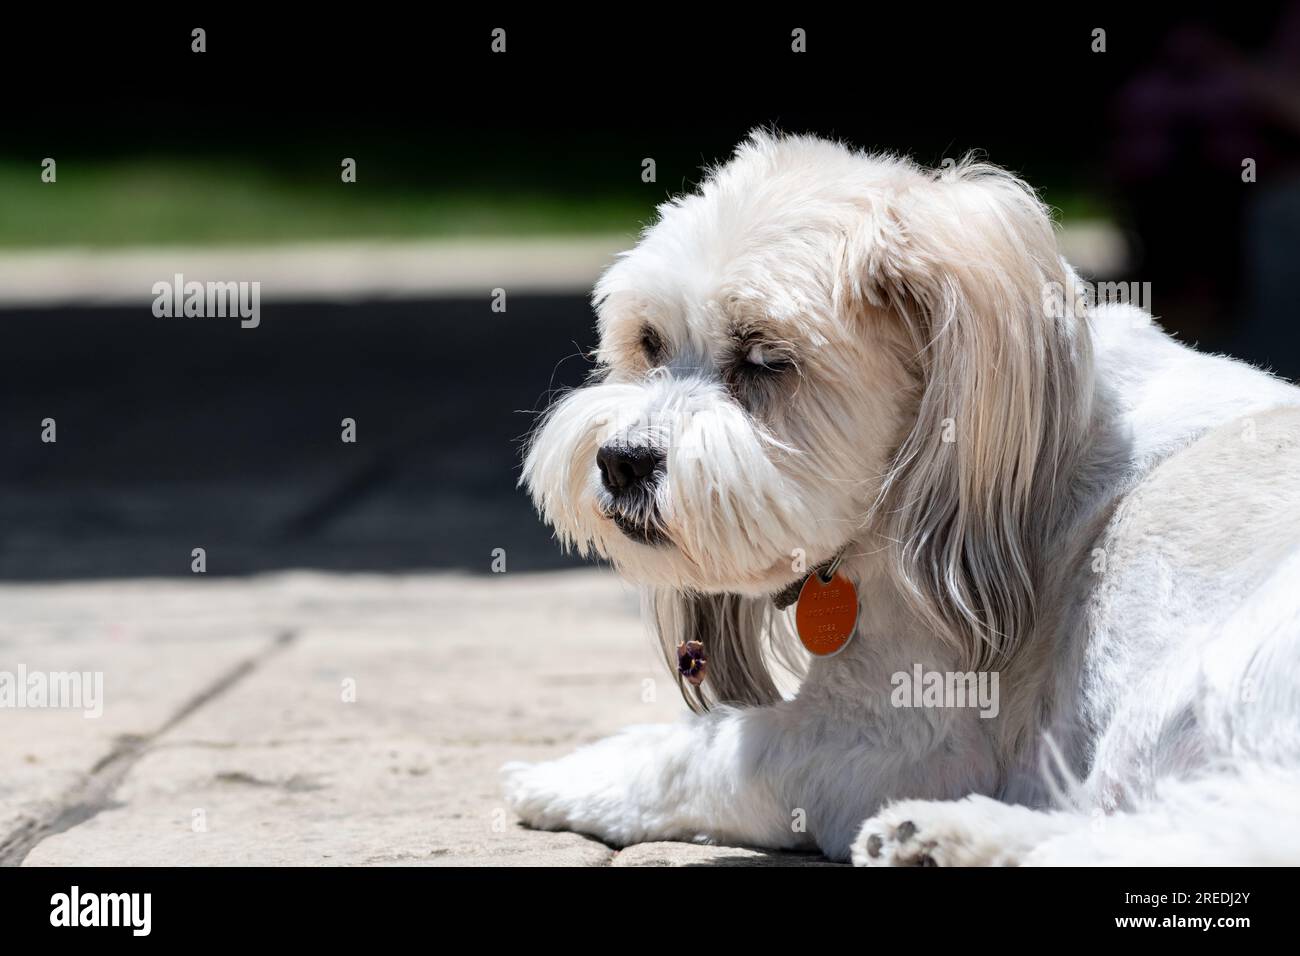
x=96, y=792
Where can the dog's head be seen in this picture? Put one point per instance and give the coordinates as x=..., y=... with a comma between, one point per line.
x=823, y=350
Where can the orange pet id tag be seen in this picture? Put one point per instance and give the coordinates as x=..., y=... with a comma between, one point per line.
x=826, y=614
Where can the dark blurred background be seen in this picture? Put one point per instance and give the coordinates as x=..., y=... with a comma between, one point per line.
x=174, y=433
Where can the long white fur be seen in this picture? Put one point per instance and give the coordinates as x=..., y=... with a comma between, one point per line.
x=1067, y=496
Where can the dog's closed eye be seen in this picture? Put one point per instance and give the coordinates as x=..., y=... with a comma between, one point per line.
x=652, y=346
x=767, y=357
x=754, y=367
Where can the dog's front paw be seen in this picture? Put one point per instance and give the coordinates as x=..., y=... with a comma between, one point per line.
x=976, y=831
x=566, y=795
x=889, y=840
x=607, y=789
x=535, y=795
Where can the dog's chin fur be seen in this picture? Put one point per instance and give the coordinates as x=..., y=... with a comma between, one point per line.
x=836, y=352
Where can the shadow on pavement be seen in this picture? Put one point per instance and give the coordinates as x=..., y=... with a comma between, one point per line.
x=179, y=433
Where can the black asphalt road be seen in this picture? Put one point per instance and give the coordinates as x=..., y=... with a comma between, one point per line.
x=181, y=433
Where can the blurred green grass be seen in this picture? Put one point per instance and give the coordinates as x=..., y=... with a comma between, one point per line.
x=153, y=202
x=170, y=200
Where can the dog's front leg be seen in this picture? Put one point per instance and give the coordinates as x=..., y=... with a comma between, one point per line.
x=706, y=779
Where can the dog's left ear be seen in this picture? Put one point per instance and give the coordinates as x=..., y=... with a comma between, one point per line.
x=966, y=259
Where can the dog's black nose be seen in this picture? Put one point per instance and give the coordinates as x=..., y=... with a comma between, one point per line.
x=625, y=468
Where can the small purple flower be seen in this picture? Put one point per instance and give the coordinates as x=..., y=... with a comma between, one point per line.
x=691, y=662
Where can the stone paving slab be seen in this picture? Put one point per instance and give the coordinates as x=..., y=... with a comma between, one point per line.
x=691, y=854
x=45, y=754
x=322, y=719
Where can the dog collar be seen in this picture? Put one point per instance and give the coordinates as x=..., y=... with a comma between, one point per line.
x=826, y=571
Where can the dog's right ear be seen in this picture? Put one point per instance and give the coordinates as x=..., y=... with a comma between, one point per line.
x=744, y=638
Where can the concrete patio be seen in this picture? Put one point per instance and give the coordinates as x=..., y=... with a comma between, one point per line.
x=228, y=736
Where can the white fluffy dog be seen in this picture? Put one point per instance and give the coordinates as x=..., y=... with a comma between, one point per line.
x=826, y=353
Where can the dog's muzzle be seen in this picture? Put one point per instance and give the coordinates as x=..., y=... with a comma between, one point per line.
x=629, y=473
